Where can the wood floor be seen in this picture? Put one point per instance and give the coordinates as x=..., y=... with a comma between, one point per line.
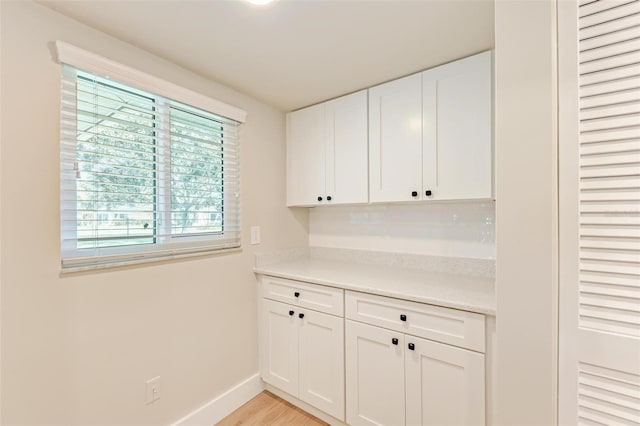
x=268, y=409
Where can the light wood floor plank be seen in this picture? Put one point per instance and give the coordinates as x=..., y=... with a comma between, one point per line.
x=267, y=409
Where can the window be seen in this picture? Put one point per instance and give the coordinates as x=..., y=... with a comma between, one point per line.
x=142, y=176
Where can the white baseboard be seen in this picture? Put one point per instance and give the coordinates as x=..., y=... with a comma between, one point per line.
x=223, y=405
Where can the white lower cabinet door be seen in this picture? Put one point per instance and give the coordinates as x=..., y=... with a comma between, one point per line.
x=445, y=384
x=375, y=375
x=321, y=354
x=279, y=348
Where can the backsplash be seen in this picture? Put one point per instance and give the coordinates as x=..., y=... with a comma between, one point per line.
x=464, y=229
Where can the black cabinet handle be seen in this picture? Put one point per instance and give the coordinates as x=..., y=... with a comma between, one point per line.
x=411, y=346
x=291, y=312
x=394, y=341
x=403, y=317
x=414, y=193
x=427, y=193
x=300, y=315
x=296, y=294
x=329, y=198
x=319, y=198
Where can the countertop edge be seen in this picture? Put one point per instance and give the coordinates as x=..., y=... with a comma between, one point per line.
x=372, y=290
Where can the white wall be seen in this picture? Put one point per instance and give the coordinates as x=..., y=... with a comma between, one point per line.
x=436, y=229
x=78, y=349
x=526, y=212
x=0, y=236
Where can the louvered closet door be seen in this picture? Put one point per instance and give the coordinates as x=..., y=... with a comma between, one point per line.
x=599, y=88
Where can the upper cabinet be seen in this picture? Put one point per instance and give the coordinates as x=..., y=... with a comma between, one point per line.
x=430, y=134
x=395, y=139
x=306, y=156
x=457, y=134
x=327, y=153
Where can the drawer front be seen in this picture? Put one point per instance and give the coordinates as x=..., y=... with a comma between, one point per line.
x=459, y=328
x=311, y=296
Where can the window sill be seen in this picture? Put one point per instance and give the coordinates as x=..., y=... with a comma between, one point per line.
x=73, y=270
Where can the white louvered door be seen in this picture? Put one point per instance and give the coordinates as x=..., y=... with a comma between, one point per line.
x=599, y=176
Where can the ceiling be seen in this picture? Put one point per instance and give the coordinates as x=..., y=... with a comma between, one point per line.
x=294, y=53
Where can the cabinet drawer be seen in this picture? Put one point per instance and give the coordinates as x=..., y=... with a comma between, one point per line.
x=459, y=328
x=305, y=295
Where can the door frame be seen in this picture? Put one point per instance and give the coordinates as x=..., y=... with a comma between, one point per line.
x=568, y=209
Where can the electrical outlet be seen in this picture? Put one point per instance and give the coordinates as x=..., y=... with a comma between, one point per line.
x=255, y=235
x=153, y=390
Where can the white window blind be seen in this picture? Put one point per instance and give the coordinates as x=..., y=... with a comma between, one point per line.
x=142, y=176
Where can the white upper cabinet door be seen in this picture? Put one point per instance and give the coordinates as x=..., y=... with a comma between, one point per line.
x=347, y=174
x=279, y=348
x=458, y=136
x=375, y=375
x=306, y=156
x=395, y=140
x=321, y=365
x=445, y=385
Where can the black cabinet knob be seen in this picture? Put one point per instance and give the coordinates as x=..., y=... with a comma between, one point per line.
x=291, y=312
x=411, y=346
x=319, y=198
x=394, y=341
x=403, y=317
x=300, y=315
x=414, y=193
x=329, y=198
x=296, y=294
x=427, y=193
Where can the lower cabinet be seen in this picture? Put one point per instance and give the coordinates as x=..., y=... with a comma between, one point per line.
x=303, y=354
x=445, y=385
x=279, y=346
x=395, y=379
x=375, y=375
x=365, y=359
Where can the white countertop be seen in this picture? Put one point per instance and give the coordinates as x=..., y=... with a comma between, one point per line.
x=465, y=292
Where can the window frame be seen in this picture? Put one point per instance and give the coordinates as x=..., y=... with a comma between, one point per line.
x=166, y=96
